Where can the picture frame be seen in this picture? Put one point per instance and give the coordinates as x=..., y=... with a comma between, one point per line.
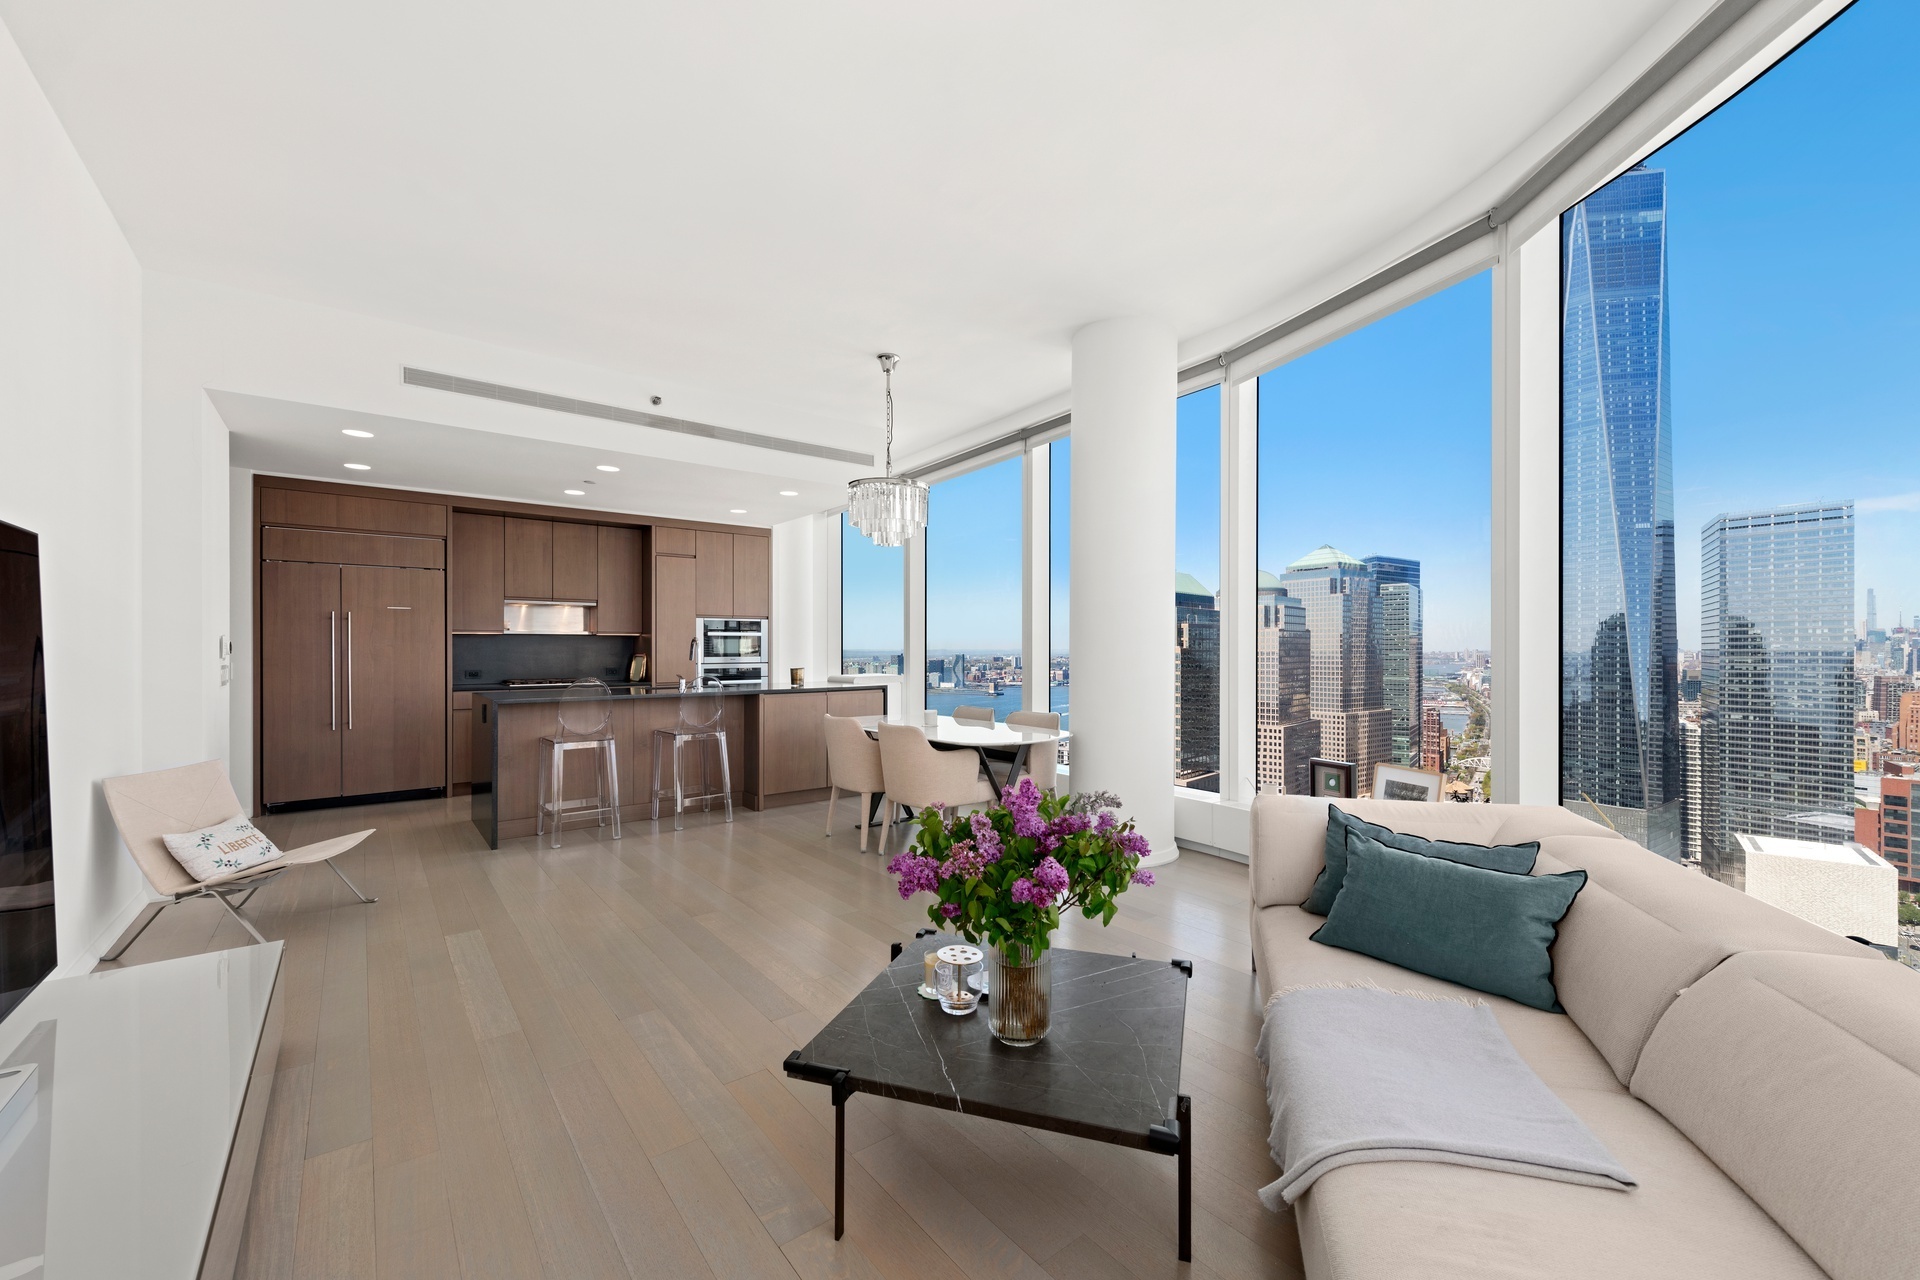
x=1332, y=779
x=1397, y=782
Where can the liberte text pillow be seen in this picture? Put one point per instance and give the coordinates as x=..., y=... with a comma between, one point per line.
x=222, y=849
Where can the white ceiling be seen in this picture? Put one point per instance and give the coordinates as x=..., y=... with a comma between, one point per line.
x=758, y=195
x=285, y=437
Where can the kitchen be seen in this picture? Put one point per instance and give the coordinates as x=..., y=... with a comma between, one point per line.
x=415, y=644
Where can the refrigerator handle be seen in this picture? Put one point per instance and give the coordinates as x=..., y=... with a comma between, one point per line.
x=349, y=668
x=333, y=671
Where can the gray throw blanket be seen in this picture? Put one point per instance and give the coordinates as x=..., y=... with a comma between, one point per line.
x=1358, y=1074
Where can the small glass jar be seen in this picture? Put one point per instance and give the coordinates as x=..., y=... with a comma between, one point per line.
x=956, y=964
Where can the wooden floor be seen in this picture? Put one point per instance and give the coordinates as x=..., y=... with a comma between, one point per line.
x=567, y=1063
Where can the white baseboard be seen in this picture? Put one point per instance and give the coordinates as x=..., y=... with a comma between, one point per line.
x=103, y=941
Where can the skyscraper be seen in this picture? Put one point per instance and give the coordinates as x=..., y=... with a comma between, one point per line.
x=1619, y=713
x=1401, y=650
x=1776, y=680
x=1286, y=736
x=1873, y=620
x=1345, y=689
x=1196, y=685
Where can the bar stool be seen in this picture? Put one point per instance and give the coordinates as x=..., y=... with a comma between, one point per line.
x=586, y=712
x=700, y=718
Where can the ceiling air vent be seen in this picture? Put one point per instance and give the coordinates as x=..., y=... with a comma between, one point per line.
x=614, y=413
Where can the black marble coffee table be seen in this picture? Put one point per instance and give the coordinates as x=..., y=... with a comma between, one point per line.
x=1109, y=1069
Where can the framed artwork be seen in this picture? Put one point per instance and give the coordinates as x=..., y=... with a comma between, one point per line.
x=1331, y=778
x=1394, y=782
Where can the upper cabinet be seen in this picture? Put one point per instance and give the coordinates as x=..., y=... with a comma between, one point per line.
x=476, y=590
x=733, y=574
x=529, y=559
x=752, y=576
x=316, y=510
x=576, y=560
x=713, y=580
x=671, y=541
x=619, y=582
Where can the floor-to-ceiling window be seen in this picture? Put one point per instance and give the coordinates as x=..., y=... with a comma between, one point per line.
x=872, y=604
x=1060, y=578
x=975, y=530
x=1741, y=473
x=1372, y=612
x=1196, y=592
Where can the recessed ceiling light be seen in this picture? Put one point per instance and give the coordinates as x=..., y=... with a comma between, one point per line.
x=738, y=511
x=357, y=435
x=356, y=466
x=575, y=493
x=604, y=467
x=789, y=493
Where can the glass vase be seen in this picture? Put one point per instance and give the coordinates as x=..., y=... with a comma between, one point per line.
x=1021, y=1008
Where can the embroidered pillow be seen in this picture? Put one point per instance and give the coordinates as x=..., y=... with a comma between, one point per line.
x=222, y=849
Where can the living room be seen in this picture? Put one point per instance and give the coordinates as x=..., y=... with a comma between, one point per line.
x=666, y=505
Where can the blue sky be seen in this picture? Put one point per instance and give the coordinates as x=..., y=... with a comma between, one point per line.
x=1790, y=224
x=1793, y=291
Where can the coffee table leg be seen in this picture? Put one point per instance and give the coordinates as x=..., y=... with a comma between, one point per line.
x=1184, y=1112
x=840, y=1166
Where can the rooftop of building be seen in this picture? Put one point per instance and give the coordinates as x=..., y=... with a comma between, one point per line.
x=1325, y=557
x=1847, y=854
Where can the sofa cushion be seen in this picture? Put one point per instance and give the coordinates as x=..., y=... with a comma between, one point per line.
x=1616, y=969
x=1551, y=1044
x=1341, y=826
x=1795, y=1073
x=1488, y=930
x=1448, y=1222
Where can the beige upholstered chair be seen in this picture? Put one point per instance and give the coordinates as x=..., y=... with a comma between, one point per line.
x=976, y=714
x=921, y=776
x=853, y=764
x=147, y=806
x=1043, y=761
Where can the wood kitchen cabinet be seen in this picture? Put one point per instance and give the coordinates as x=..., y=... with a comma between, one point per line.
x=528, y=559
x=752, y=576
x=713, y=581
x=576, y=561
x=476, y=587
x=674, y=611
x=353, y=680
x=619, y=581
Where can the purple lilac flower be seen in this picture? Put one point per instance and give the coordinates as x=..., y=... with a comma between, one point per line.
x=1134, y=843
x=1023, y=802
x=966, y=860
x=1025, y=890
x=985, y=838
x=1143, y=878
x=1051, y=876
x=952, y=909
x=1106, y=822
x=917, y=874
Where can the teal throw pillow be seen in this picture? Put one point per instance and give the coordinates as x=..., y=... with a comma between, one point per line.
x=1517, y=858
x=1488, y=930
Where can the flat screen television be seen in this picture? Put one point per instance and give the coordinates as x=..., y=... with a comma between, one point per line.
x=27, y=950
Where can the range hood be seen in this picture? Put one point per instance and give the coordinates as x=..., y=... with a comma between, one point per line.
x=547, y=617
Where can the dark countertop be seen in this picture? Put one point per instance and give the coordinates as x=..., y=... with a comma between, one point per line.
x=519, y=697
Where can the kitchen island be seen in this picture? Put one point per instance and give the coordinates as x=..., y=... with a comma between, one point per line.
x=776, y=747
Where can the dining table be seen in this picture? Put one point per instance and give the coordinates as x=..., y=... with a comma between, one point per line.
x=996, y=741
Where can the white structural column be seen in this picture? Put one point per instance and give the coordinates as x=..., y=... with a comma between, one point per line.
x=1122, y=610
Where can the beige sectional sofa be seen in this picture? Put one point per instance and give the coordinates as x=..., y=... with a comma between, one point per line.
x=1758, y=1075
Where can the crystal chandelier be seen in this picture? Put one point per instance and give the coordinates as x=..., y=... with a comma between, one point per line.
x=887, y=508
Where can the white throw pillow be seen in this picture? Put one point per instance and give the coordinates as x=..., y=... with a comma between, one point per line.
x=222, y=849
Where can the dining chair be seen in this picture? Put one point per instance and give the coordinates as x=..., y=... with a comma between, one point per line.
x=853, y=764
x=921, y=776
x=975, y=714
x=1043, y=760
x=149, y=806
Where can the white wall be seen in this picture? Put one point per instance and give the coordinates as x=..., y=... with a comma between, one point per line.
x=796, y=601
x=70, y=471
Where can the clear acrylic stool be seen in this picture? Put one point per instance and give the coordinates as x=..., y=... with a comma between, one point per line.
x=586, y=712
x=700, y=719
